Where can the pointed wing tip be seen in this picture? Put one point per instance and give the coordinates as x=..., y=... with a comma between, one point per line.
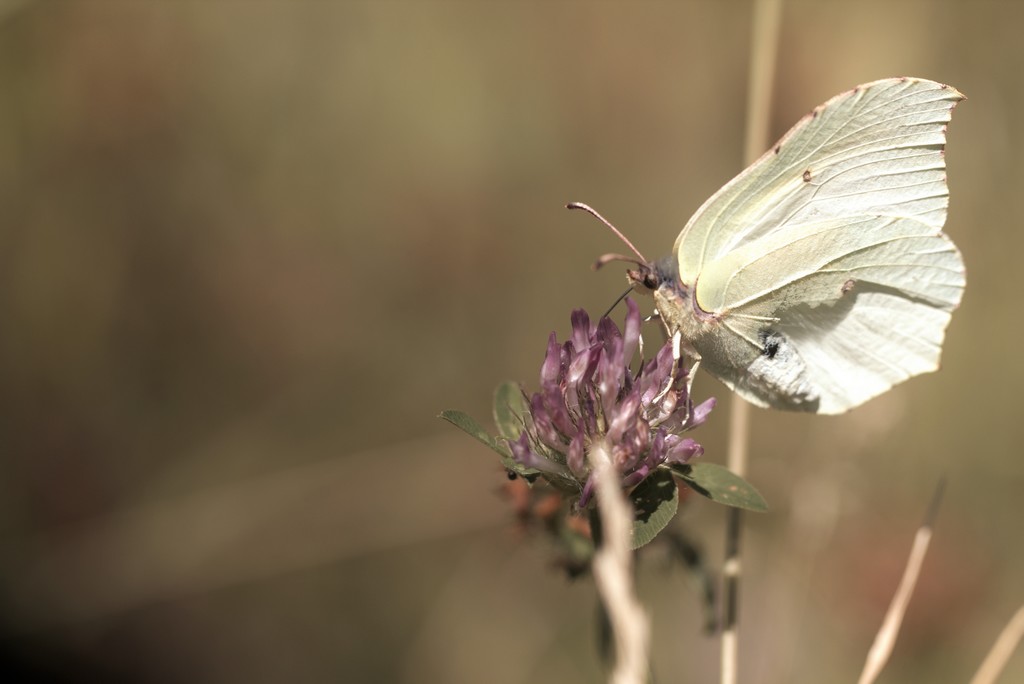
x=952, y=93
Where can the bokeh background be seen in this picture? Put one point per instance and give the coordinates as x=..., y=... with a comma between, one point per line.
x=249, y=250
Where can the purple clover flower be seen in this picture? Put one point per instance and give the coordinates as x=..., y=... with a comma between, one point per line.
x=588, y=392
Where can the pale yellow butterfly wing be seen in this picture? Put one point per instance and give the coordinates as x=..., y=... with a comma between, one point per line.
x=862, y=305
x=876, y=149
x=823, y=265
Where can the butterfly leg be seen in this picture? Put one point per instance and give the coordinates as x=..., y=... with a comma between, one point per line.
x=690, y=373
x=676, y=361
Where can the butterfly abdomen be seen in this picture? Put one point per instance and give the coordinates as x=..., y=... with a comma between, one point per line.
x=766, y=368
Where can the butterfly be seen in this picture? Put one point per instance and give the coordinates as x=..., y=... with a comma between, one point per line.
x=819, y=277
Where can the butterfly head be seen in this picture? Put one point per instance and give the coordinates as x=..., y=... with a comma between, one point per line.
x=648, y=277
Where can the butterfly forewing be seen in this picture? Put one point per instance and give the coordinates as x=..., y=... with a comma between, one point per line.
x=876, y=149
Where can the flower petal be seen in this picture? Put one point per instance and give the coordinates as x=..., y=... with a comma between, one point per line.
x=523, y=454
x=552, y=366
x=683, y=451
x=624, y=417
x=631, y=334
x=576, y=458
x=700, y=412
x=582, y=331
x=610, y=374
x=543, y=424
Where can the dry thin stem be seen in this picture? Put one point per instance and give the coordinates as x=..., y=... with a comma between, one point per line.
x=880, y=651
x=1001, y=651
x=613, y=573
x=767, y=18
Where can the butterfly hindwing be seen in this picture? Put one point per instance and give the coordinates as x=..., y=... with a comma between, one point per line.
x=823, y=265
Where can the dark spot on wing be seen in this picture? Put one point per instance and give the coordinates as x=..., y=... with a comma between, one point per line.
x=848, y=285
x=779, y=375
x=770, y=343
x=807, y=176
x=777, y=148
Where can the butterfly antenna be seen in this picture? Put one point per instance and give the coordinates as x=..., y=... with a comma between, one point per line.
x=602, y=219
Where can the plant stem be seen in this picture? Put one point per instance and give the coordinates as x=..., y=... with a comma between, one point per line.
x=1001, y=650
x=885, y=640
x=613, y=573
x=767, y=17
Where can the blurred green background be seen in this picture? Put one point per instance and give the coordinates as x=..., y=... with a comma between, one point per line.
x=249, y=250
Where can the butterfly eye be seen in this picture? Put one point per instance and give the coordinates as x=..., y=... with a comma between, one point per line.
x=643, y=279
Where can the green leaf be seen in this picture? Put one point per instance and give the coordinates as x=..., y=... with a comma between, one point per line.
x=721, y=485
x=473, y=429
x=509, y=407
x=656, y=501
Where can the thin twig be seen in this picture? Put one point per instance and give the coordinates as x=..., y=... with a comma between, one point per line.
x=767, y=17
x=1001, y=651
x=767, y=21
x=880, y=651
x=613, y=573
